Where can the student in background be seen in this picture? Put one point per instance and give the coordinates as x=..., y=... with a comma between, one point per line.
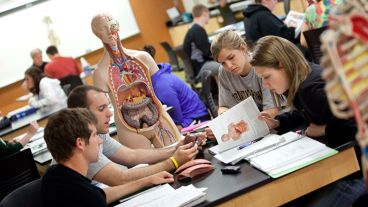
x=60, y=67
x=36, y=55
x=172, y=91
x=226, y=13
x=237, y=78
x=47, y=91
x=284, y=70
x=196, y=44
x=316, y=16
x=13, y=146
x=259, y=22
x=112, y=154
x=72, y=139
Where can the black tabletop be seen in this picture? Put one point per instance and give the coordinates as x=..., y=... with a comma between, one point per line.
x=222, y=187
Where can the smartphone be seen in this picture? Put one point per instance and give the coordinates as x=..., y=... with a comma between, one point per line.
x=230, y=170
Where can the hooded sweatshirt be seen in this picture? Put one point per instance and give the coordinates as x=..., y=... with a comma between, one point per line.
x=172, y=91
x=259, y=22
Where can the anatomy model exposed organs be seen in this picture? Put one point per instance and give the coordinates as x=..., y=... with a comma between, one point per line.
x=130, y=86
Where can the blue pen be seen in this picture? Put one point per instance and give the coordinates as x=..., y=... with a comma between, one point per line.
x=249, y=143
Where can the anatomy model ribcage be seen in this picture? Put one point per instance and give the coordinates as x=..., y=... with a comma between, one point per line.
x=345, y=62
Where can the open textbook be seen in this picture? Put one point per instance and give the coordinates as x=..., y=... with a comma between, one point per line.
x=241, y=135
x=295, y=19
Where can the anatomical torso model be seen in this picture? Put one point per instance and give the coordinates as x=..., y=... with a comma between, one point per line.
x=126, y=76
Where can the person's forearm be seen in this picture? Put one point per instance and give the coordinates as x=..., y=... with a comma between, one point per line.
x=113, y=175
x=151, y=156
x=116, y=192
x=141, y=172
x=25, y=139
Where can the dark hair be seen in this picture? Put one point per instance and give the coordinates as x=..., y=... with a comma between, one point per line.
x=258, y=1
x=36, y=75
x=150, y=50
x=52, y=50
x=78, y=96
x=63, y=129
x=198, y=10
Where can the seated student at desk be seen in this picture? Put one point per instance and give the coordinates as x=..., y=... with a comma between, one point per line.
x=47, y=91
x=285, y=71
x=74, y=146
x=196, y=44
x=13, y=146
x=60, y=66
x=259, y=22
x=172, y=91
x=113, y=154
x=237, y=78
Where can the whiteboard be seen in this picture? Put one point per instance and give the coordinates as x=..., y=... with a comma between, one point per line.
x=71, y=21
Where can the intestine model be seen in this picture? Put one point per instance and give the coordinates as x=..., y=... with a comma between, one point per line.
x=345, y=59
x=130, y=88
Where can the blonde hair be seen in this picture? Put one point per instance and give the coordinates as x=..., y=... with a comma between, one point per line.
x=228, y=39
x=278, y=53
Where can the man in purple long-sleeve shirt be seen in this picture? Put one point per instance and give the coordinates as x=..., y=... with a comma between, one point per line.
x=172, y=91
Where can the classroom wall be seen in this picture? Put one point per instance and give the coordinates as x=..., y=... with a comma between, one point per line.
x=70, y=31
x=150, y=16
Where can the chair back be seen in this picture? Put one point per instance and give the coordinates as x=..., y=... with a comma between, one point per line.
x=27, y=195
x=173, y=59
x=16, y=170
x=312, y=37
x=188, y=69
x=207, y=86
x=69, y=82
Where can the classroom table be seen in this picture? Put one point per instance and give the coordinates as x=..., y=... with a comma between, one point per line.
x=23, y=122
x=252, y=187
